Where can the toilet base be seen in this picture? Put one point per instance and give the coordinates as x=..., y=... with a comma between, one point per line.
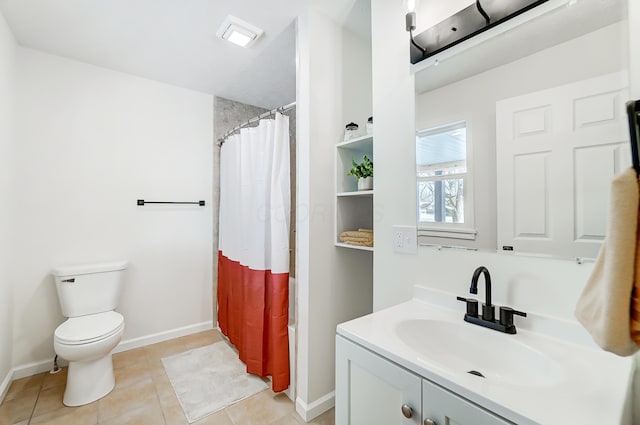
x=88, y=381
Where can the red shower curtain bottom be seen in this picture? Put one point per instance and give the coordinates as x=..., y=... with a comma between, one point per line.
x=253, y=312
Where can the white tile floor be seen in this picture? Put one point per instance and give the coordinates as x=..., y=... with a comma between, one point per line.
x=143, y=395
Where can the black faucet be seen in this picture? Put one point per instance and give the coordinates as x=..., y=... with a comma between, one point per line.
x=488, y=320
x=488, y=312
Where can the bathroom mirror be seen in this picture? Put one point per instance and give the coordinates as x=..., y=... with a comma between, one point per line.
x=519, y=136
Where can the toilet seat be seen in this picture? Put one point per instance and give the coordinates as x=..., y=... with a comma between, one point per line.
x=90, y=328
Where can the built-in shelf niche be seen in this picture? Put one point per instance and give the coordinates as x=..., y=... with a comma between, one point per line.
x=354, y=208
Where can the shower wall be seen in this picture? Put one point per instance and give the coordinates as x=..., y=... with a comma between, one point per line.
x=228, y=114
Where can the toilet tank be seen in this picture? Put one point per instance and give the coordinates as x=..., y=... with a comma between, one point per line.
x=89, y=288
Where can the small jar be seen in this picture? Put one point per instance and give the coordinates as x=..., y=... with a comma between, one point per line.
x=350, y=131
x=370, y=126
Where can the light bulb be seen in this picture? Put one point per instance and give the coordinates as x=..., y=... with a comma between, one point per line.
x=411, y=5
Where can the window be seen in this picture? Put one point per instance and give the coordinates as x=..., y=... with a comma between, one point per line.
x=443, y=186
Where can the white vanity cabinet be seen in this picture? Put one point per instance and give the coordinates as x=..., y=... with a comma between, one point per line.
x=443, y=407
x=372, y=390
x=420, y=353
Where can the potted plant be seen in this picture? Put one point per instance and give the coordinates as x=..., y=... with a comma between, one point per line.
x=363, y=172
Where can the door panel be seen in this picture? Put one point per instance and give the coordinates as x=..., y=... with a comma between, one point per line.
x=557, y=151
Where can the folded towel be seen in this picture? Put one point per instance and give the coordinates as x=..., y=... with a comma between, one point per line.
x=355, y=239
x=356, y=234
x=366, y=230
x=604, y=306
x=635, y=294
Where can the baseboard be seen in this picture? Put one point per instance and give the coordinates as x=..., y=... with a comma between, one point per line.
x=143, y=341
x=310, y=411
x=34, y=368
x=4, y=386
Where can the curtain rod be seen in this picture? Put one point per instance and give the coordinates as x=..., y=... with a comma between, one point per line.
x=281, y=109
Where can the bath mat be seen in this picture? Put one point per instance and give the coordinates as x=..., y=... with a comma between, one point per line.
x=209, y=379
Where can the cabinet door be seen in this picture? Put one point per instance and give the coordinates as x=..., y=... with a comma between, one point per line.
x=371, y=390
x=445, y=408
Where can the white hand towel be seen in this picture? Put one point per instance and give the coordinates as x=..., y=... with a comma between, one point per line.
x=604, y=306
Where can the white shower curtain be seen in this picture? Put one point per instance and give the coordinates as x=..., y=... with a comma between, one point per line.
x=253, y=261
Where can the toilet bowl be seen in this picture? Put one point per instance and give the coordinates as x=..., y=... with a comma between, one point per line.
x=87, y=342
x=88, y=295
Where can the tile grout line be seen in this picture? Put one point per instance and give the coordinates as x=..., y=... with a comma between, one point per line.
x=33, y=409
x=228, y=416
x=155, y=389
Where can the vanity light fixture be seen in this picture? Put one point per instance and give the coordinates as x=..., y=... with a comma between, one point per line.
x=410, y=19
x=478, y=17
x=238, y=31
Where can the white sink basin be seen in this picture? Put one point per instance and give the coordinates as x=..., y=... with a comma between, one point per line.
x=549, y=373
x=464, y=347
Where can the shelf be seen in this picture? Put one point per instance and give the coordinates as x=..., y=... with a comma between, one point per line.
x=356, y=193
x=346, y=152
x=353, y=208
x=357, y=143
x=361, y=248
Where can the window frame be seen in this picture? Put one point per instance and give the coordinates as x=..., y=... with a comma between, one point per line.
x=464, y=230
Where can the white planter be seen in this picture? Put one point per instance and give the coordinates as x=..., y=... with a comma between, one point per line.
x=365, y=183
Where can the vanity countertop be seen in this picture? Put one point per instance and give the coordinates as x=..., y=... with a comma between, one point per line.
x=577, y=383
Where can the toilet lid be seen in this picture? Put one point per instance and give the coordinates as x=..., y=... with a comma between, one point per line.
x=90, y=328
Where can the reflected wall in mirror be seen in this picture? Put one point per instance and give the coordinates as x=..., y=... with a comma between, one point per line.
x=587, y=127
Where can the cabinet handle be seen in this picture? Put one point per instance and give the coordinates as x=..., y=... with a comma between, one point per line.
x=429, y=422
x=407, y=411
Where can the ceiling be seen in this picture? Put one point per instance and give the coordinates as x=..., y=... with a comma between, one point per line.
x=172, y=41
x=354, y=15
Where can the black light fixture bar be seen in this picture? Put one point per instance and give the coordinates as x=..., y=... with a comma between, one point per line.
x=142, y=202
x=469, y=22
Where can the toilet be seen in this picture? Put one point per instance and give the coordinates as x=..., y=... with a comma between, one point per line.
x=88, y=296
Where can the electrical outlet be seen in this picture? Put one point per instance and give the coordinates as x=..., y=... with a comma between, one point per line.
x=405, y=239
x=398, y=242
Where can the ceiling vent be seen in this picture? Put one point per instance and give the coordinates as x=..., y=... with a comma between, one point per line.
x=238, y=31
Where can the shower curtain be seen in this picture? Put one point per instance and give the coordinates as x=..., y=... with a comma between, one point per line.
x=253, y=260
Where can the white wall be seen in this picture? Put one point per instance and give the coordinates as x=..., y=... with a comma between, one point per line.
x=533, y=284
x=7, y=83
x=634, y=52
x=90, y=142
x=394, y=152
x=334, y=284
x=356, y=80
